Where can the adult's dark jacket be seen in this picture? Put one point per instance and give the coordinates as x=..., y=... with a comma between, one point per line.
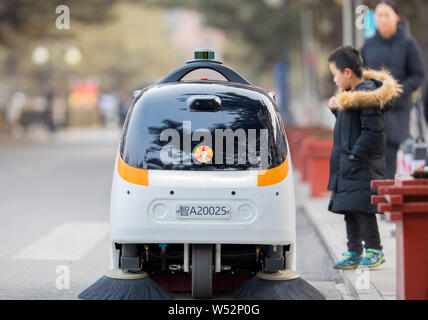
x=358, y=154
x=401, y=56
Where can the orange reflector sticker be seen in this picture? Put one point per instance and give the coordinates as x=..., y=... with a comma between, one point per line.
x=132, y=174
x=141, y=176
x=273, y=176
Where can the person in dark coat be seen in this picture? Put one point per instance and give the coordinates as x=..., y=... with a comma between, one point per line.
x=358, y=154
x=395, y=49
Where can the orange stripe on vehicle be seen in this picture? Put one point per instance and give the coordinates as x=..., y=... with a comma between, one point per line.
x=132, y=174
x=273, y=176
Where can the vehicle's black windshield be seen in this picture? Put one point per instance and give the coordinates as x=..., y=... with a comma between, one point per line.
x=203, y=126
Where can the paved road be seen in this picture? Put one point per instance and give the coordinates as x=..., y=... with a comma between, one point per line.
x=59, y=189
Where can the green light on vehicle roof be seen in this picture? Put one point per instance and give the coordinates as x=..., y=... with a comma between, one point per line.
x=204, y=54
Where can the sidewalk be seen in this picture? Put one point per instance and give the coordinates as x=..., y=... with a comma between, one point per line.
x=375, y=284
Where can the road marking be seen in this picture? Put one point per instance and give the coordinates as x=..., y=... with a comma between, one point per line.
x=68, y=241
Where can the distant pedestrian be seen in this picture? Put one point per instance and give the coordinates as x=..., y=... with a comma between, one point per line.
x=358, y=154
x=394, y=48
x=50, y=111
x=425, y=100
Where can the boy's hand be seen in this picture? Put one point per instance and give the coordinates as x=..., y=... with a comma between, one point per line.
x=332, y=103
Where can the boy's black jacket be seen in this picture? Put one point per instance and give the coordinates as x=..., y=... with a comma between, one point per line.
x=358, y=154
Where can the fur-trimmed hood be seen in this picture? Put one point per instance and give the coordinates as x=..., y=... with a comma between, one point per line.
x=387, y=89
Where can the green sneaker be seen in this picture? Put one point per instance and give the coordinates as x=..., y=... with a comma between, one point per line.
x=373, y=258
x=350, y=260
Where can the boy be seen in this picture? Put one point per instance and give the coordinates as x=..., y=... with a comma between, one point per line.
x=358, y=154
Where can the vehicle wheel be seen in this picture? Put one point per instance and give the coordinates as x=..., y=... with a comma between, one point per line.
x=202, y=274
x=130, y=260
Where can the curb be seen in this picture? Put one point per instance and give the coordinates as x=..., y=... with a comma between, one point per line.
x=350, y=277
x=330, y=251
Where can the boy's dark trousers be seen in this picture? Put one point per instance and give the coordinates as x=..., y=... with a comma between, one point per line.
x=359, y=227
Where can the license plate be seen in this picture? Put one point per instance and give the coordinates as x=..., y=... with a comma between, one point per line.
x=203, y=211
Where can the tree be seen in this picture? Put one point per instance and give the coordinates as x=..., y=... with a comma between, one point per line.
x=269, y=33
x=36, y=19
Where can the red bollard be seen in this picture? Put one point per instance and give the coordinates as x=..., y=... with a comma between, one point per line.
x=296, y=137
x=311, y=157
x=406, y=203
x=317, y=165
x=296, y=147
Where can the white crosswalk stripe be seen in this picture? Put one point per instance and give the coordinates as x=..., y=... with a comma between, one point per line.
x=69, y=241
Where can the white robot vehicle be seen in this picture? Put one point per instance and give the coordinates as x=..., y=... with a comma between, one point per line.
x=203, y=196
